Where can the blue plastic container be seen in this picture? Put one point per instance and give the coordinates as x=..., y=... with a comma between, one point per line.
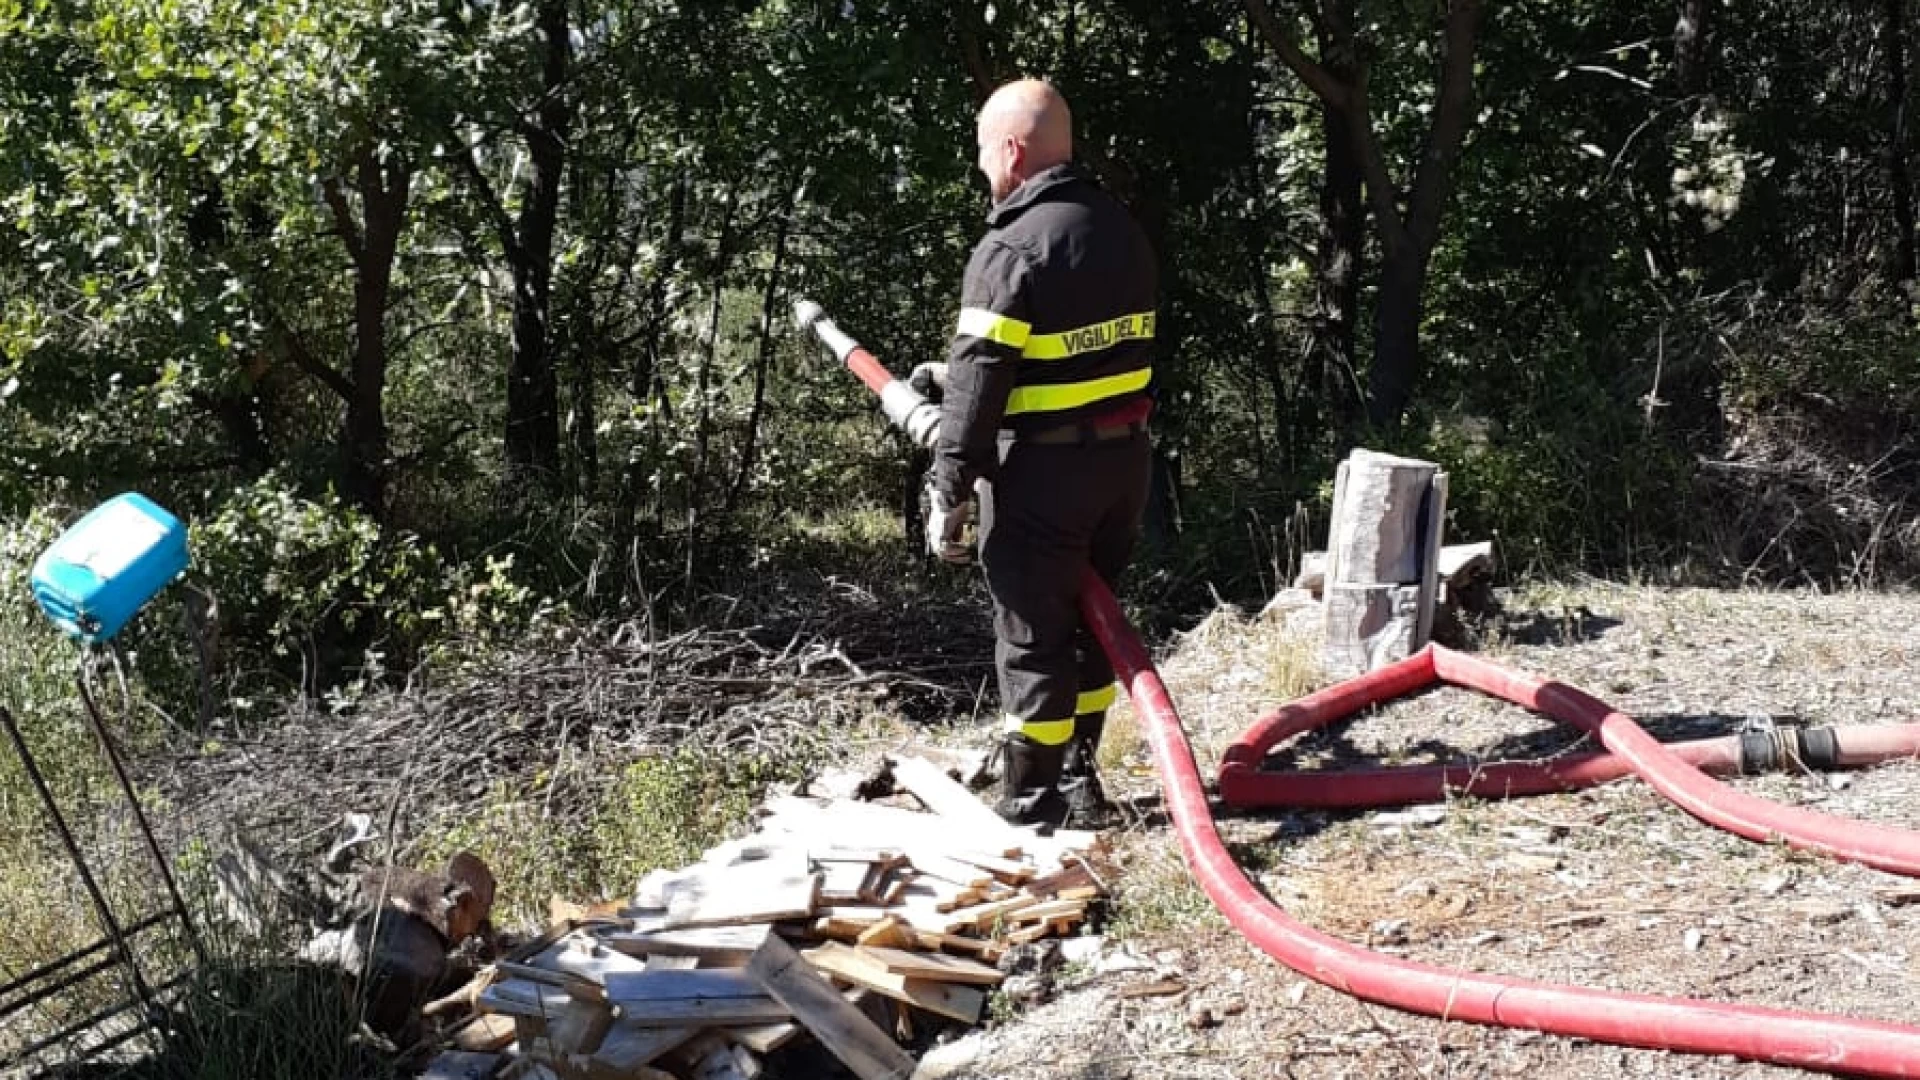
x=108, y=565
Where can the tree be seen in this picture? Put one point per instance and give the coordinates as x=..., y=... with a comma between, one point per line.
x=540, y=111
x=1409, y=227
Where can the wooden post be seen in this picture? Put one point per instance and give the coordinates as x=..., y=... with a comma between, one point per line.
x=1383, y=550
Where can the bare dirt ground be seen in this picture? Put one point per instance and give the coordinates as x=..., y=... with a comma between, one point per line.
x=1611, y=887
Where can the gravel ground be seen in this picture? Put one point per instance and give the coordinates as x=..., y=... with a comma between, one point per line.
x=1610, y=887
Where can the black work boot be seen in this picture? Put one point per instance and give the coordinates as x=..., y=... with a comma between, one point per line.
x=1030, y=782
x=1080, y=776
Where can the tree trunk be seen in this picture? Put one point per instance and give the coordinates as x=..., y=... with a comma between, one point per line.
x=1407, y=234
x=1396, y=342
x=533, y=396
x=242, y=418
x=703, y=391
x=1894, y=31
x=643, y=383
x=1343, y=220
x=1690, y=46
x=384, y=188
x=763, y=356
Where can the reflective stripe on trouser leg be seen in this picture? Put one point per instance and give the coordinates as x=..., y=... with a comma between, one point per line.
x=1044, y=732
x=1094, y=701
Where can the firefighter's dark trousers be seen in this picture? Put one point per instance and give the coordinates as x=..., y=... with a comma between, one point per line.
x=1054, y=510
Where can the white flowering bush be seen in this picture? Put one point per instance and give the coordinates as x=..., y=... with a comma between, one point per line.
x=1710, y=173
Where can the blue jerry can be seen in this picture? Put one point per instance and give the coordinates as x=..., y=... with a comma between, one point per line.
x=108, y=565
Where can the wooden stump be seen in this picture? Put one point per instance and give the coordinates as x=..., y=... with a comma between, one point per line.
x=1382, y=563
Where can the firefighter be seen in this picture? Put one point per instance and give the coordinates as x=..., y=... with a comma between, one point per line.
x=1046, y=409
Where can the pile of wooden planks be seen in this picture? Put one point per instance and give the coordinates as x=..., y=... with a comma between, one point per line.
x=840, y=919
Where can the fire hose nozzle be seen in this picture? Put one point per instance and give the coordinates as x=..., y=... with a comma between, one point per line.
x=811, y=316
x=909, y=410
x=806, y=313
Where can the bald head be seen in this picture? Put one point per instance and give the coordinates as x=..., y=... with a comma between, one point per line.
x=1024, y=128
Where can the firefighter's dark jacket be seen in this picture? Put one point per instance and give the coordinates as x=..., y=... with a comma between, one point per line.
x=1056, y=323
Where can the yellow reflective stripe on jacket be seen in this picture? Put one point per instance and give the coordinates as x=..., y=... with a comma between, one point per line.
x=1094, y=700
x=1033, y=399
x=1044, y=732
x=1086, y=339
x=981, y=323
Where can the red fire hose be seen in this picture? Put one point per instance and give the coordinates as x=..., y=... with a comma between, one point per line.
x=1808, y=1040
x=1781, y=1036
x=1244, y=786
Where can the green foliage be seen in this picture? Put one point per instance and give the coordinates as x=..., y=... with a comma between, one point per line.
x=294, y=575
x=530, y=834
x=579, y=838
x=666, y=810
x=1581, y=479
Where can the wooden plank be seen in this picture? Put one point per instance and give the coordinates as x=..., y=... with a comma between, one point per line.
x=576, y=986
x=894, y=887
x=564, y=912
x=1028, y=935
x=946, y=797
x=983, y=916
x=716, y=946
x=626, y=1048
x=643, y=986
x=1051, y=885
x=704, y=1012
x=919, y=965
x=963, y=1003
x=966, y=898
x=952, y=870
x=766, y=1038
x=651, y=893
x=711, y=1058
x=970, y=766
x=845, y=882
x=1432, y=532
x=889, y=932
x=1011, y=871
x=692, y=999
x=1061, y=845
x=871, y=855
x=853, y=824
x=1049, y=910
x=840, y=1027
x=768, y=850
x=750, y=893
x=519, y=997
x=463, y=1065
x=858, y=917
x=583, y=957
x=582, y=1028
x=484, y=1033
x=987, y=950
x=671, y=963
